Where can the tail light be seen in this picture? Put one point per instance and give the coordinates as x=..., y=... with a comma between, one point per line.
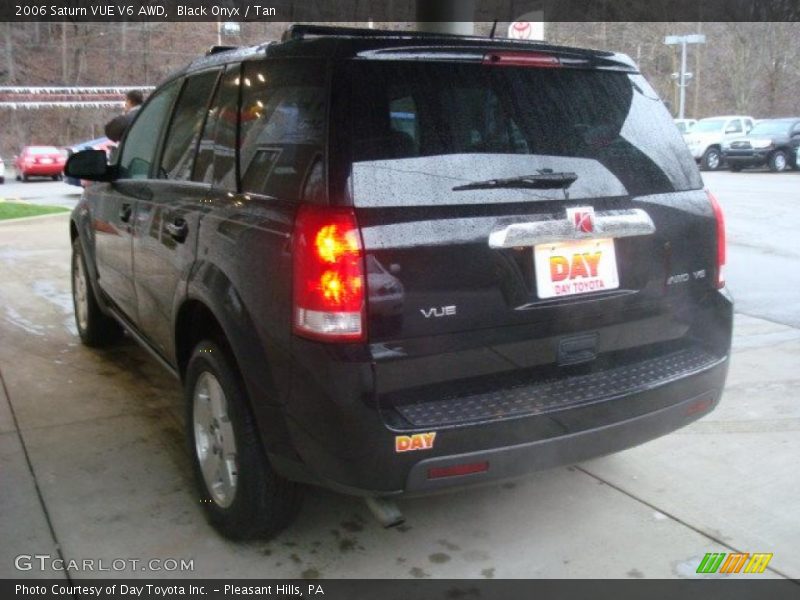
x=457, y=470
x=718, y=217
x=329, y=297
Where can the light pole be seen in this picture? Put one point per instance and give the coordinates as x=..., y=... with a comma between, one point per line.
x=226, y=28
x=683, y=77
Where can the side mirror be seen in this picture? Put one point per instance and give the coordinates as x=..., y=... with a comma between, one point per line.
x=89, y=164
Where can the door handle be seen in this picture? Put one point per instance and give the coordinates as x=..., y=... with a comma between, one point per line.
x=178, y=230
x=125, y=213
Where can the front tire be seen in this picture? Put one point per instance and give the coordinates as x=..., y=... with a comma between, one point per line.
x=712, y=159
x=94, y=328
x=777, y=161
x=242, y=496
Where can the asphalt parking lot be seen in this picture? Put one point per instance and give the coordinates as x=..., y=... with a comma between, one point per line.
x=92, y=463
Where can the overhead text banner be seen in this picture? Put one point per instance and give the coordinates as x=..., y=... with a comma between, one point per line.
x=397, y=10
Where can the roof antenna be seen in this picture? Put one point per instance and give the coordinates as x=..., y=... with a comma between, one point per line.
x=494, y=28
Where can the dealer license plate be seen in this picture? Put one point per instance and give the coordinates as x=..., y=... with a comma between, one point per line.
x=580, y=267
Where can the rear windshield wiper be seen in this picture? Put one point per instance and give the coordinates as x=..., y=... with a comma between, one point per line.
x=543, y=180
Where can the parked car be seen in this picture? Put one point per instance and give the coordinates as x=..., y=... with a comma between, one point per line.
x=797, y=158
x=102, y=143
x=402, y=264
x=40, y=161
x=707, y=136
x=772, y=142
x=685, y=125
x=2, y=171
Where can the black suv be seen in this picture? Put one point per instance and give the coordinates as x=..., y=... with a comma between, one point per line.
x=395, y=263
x=773, y=142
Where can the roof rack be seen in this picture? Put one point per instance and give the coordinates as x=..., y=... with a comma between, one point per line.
x=218, y=49
x=300, y=32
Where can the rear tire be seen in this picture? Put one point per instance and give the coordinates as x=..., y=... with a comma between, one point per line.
x=94, y=327
x=712, y=159
x=242, y=495
x=778, y=162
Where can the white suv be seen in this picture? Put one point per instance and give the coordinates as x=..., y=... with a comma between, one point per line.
x=707, y=135
x=2, y=171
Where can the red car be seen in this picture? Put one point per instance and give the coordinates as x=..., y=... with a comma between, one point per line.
x=42, y=161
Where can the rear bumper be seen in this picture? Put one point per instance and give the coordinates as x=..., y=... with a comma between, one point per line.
x=356, y=453
x=515, y=461
x=43, y=170
x=344, y=433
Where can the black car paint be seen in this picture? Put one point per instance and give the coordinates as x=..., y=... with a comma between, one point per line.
x=788, y=142
x=324, y=410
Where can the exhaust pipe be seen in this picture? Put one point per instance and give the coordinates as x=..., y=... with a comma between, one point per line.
x=385, y=511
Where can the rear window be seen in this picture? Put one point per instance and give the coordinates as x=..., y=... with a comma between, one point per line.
x=43, y=150
x=417, y=130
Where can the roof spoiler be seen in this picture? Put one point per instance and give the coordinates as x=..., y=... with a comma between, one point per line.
x=218, y=49
x=300, y=32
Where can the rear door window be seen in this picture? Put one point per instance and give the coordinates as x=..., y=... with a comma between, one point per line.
x=734, y=126
x=421, y=128
x=216, y=155
x=141, y=141
x=190, y=113
x=282, y=127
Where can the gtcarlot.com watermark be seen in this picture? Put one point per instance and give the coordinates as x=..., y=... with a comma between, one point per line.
x=47, y=562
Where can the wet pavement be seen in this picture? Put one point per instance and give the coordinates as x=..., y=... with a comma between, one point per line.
x=39, y=191
x=92, y=465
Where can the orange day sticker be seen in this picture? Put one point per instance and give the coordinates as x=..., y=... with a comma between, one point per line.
x=418, y=441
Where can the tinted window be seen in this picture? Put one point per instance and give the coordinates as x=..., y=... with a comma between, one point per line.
x=708, y=126
x=403, y=120
x=282, y=128
x=184, y=130
x=734, y=126
x=771, y=128
x=142, y=139
x=216, y=157
x=420, y=129
x=43, y=150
